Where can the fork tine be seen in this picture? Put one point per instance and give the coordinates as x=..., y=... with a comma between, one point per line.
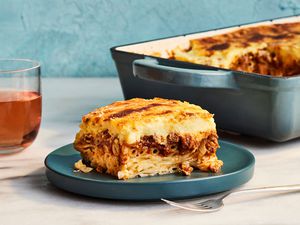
x=184, y=206
x=206, y=206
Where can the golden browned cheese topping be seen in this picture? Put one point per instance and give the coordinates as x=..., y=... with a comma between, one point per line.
x=135, y=118
x=269, y=49
x=138, y=108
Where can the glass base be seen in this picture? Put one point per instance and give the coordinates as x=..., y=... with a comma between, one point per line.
x=8, y=150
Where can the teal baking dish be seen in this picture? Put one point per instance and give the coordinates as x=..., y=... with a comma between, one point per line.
x=247, y=103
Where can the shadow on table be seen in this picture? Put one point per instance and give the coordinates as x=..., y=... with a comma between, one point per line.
x=254, y=142
x=36, y=187
x=40, y=189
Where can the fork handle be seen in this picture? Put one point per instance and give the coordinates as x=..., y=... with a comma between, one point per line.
x=293, y=187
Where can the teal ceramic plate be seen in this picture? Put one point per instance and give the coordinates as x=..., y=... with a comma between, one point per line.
x=238, y=169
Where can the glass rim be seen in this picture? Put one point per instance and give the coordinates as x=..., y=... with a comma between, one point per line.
x=35, y=65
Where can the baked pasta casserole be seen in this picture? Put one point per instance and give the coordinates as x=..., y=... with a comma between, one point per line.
x=140, y=137
x=267, y=49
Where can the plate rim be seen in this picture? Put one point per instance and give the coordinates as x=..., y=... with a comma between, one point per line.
x=124, y=182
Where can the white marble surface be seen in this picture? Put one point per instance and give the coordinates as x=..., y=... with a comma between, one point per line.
x=27, y=197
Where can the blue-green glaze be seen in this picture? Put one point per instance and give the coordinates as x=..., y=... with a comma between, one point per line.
x=238, y=169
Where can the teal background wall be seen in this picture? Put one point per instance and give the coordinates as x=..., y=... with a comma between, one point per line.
x=73, y=37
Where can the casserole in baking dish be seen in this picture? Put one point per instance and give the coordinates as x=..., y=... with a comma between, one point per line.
x=267, y=49
x=256, y=92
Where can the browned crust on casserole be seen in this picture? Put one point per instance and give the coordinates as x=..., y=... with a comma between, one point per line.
x=269, y=49
x=276, y=33
x=122, y=110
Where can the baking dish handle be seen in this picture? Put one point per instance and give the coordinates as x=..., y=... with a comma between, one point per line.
x=150, y=69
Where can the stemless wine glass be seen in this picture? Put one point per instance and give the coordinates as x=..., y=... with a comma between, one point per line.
x=20, y=104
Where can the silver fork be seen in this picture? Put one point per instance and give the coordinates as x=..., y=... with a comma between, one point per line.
x=216, y=204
